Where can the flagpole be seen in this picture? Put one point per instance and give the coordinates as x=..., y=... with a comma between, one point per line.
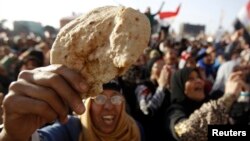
x=221, y=18
x=162, y=4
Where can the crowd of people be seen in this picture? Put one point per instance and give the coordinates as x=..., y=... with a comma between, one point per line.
x=176, y=89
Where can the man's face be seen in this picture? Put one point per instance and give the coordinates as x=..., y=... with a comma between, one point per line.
x=209, y=59
x=170, y=57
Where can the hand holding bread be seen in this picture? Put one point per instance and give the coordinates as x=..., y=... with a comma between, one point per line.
x=102, y=44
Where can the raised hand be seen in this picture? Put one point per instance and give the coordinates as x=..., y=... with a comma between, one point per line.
x=41, y=96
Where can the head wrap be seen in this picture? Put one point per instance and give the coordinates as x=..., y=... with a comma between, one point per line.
x=126, y=129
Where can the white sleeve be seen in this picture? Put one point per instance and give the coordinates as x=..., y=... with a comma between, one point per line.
x=35, y=136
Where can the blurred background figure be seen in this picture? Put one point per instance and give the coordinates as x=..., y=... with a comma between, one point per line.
x=190, y=110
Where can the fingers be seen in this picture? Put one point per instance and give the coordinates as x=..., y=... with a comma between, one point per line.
x=59, y=85
x=65, y=82
x=74, y=79
x=28, y=106
x=43, y=94
x=235, y=83
x=1, y=98
x=235, y=76
x=167, y=71
x=239, y=77
x=164, y=78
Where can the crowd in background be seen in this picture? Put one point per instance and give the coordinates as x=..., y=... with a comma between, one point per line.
x=149, y=85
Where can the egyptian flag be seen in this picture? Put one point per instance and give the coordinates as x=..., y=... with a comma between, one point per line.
x=169, y=14
x=165, y=18
x=243, y=21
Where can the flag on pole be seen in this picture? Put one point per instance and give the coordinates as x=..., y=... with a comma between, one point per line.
x=243, y=21
x=244, y=16
x=168, y=14
x=165, y=18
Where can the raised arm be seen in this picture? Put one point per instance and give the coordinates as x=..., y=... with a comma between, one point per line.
x=212, y=112
x=38, y=97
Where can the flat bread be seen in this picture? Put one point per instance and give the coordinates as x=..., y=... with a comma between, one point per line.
x=102, y=44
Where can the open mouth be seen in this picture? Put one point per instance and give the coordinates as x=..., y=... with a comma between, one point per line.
x=108, y=119
x=199, y=89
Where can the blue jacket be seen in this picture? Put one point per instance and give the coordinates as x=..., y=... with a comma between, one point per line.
x=66, y=132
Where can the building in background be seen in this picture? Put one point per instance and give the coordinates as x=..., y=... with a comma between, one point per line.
x=28, y=27
x=191, y=30
x=65, y=20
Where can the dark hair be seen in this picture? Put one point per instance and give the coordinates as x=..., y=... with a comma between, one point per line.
x=112, y=85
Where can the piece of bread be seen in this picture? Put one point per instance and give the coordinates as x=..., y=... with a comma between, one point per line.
x=102, y=44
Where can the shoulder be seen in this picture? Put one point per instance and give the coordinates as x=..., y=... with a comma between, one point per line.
x=175, y=113
x=141, y=130
x=63, y=132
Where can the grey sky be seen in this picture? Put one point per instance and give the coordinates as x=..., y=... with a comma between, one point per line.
x=206, y=12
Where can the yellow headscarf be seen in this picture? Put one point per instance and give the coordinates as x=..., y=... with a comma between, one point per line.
x=126, y=130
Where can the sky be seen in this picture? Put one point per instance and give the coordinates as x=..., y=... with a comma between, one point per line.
x=201, y=12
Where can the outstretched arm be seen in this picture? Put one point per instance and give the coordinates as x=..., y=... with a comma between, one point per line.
x=38, y=97
x=213, y=112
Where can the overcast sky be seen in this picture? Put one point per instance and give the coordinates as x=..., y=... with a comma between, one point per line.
x=49, y=12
